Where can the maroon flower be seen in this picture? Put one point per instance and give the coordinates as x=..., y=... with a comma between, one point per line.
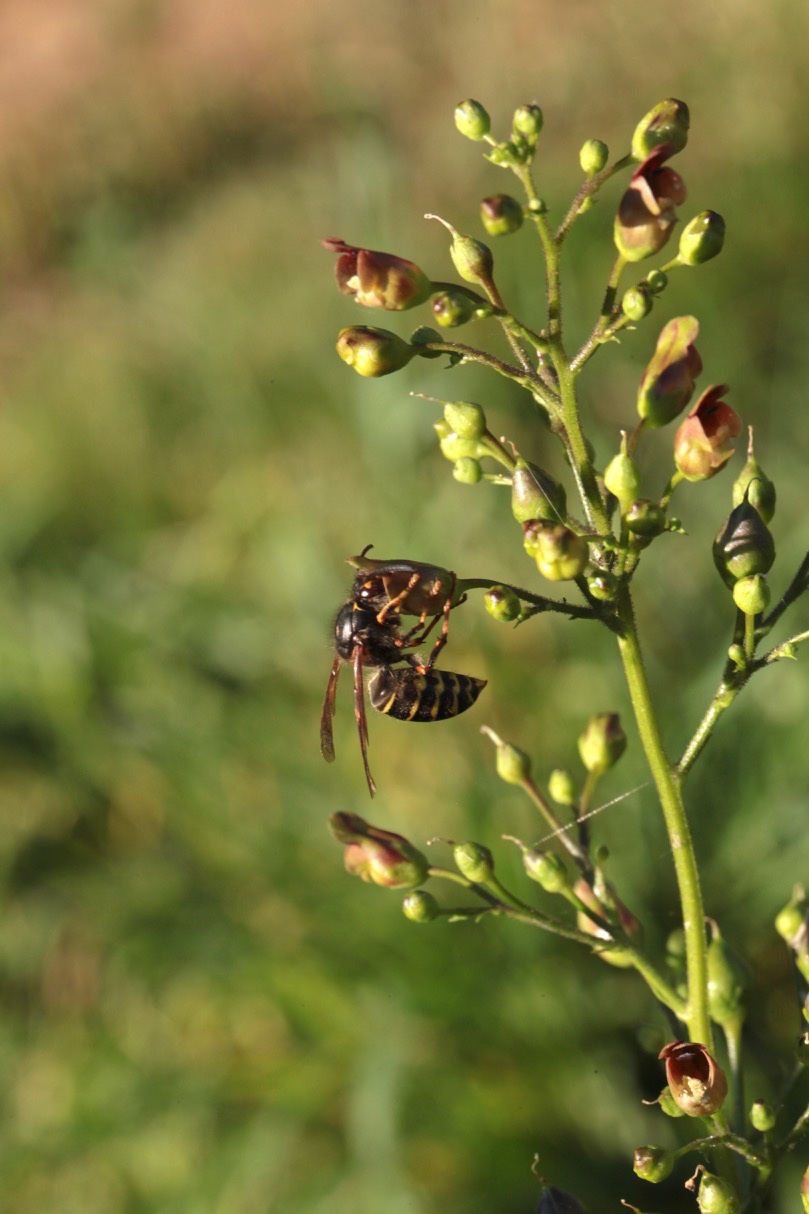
x=378, y=280
x=377, y=855
x=696, y=1083
x=646, y=214
x=703, y=443
x=668, y=381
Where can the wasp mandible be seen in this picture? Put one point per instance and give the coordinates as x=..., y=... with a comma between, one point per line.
x=368, y=633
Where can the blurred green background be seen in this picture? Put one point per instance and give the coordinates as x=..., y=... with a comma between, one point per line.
x=201, y=1013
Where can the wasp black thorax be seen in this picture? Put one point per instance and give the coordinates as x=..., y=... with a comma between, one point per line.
x=368, y=632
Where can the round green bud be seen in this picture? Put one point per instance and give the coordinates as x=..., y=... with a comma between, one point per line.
x=743, y=545
x=467, y=471
x=668, y=1104
x=371, y=351
x=453, y=308
x=657, y=281
x=645, y=518
x=751, y=594
x=473, y=861
x=593, y=156
x=716, y=1195
x=501, y=214
x=560, y=554
x=547, y=869
x=453, y=447
x=653, y=1163
x=790, y=919
x=602, y=585
x=666, y=122
x=502, y=604
x=421, y=907
x=702, y=238
x=538, y=206
x=472, y=120
x=636, y=303
x=535, y=494
x=762, y=1116
x=622, y=478
x=466, y=419
x=602, y=742
x=562, y=787
x=528, y=122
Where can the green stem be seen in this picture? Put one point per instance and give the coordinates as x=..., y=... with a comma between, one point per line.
x=669, y=793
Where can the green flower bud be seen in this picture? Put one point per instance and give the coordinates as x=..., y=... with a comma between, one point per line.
x=644, y=518
x=602, y=742
x=636, y=303
x=666, y=123
x=703, y=442
x=466, y=418
x=668, y=381
x=527, y=122
x=702, y=238
x=653, y=1163
x=472, y=120
x=502, y=604
x=754, y=484
x=743, y=545
x=467, y=471
x=716, y=1195
x=762, y=1116
x=697, y=1083
x=420, y=337
x=668, y=1104
x=535, y=494
x=547, y=869
x=726, y=981
x=602, y=585
x=593, y=156
x=790, y=919
x=501, y=214
x=560, y=554
x=453, y=308
x=473, y=861
x=421, y=907
x=453, y=446
x=752, y=594
x=622, y=477
x=372, y=352
x=472, y=258
x=657, y=281
x=377, y=855
x=513, y=765
x=562, y=787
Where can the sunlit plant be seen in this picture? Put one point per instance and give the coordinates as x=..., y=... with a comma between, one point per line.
x=594, y=547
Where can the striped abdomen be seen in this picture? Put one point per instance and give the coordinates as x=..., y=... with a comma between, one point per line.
x=436, y=695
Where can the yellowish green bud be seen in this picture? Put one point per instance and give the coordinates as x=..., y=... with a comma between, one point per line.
x=602, y=585
x=636, y=303
x=473, y=861
x=668, y=1104
x=472, y=120
x=602, y=742
x=622, y=478
x=472, y=258
x=726, y=982
x=593, y=156
x=646, y=519
x=466, y=418
x=762, y=1116
x=453, y=446
x=454, y=308
x=372, y=352
x=667, y=122
x=562, y=787
x=560, y=554
x=502, y=604
x=702, y=239
x=657, y=281
x=790, y=919
x=528, y=122
x=547, y=869
x=752, y=594
x=716, y=1195
x=653, y=1163
x=501, y=214
x=467, y=471
x=754, y=484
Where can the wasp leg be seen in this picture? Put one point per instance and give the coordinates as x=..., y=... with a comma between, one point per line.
x=395, y=604
x=359, y=713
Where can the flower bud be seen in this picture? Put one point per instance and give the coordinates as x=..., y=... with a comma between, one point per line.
x=653, y=1163
x=646, y=215
x=752, y=594
x=602, y=742
x=453, y=446
x=501, y=214
x=378, y=280
x=622, y=477
x=668, y=381
x=696, y=1082
x=702, y=444
x=512, y=764
x=645, y=519
x=466, y=418
x=726, y=981
x=762, y=1116
x=743, y=545
x=602, y=585
x=502, y=604
x=562, y=787
x=636, y=303
x=472, y=258
x=527, y=122
x=421, y=907
x=754, y=484
x=701, y=239
x=467, y=471
x=547, y=869
x=593, y=156
x=657, y=281
x=716, y=1195
x=535, y=494
x=378, y=856
x=453, y=308
x=560, y=554
x=473, y=861
x=667, y=1104
x=472, y=120
x=372, y=352
x=791, y=918
x=667, y=122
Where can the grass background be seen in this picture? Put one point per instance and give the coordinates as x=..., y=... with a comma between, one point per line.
x=199, y=1012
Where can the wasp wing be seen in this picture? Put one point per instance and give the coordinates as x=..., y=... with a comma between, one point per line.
x=327, y=715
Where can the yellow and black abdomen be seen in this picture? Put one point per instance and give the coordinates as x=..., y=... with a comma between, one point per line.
x=435, y=695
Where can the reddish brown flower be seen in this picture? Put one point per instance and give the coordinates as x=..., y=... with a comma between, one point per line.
x=377, y=855
x=697, y=1084
x=378, y=280
x=646, y=214
x=703, y=443
x=668, y=381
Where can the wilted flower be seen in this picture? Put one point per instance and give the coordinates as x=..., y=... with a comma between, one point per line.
x=378, y=855
x=696, y=1082
x=703, y=443
x=668, y=381
x=378, y=280
x=646, y=215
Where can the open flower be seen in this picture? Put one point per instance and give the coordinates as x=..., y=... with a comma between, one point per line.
x=668, y=381
x=703, y=443
x=378, y=280
x=646, y=215
x=695, y=1081
x=377, y=855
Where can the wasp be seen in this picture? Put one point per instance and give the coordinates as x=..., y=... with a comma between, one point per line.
x=368, y=632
